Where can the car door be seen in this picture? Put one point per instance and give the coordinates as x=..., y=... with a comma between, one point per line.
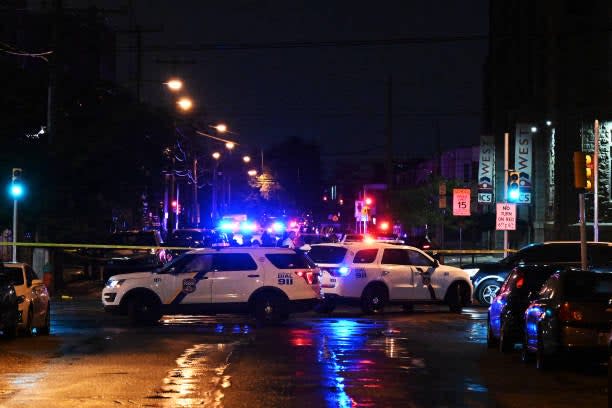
x=187, y=280
x=235, y=276
x=537, y=309
x=397, y=272
x=427, y=281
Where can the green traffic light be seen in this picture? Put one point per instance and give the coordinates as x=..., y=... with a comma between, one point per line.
x=16, y=191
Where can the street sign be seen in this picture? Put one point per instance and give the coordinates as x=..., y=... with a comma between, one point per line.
x=505, y=217
x=485, y=197
x=461, y=201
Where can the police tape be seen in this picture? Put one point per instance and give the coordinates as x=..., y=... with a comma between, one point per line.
x=141, y=247
x=88, y=246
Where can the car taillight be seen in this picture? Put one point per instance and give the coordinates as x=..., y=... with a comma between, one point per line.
x=339, y=272
x=310, y=276
x=566, y=313
x=520, y=280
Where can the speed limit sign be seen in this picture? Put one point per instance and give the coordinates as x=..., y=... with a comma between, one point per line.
x=461, y=201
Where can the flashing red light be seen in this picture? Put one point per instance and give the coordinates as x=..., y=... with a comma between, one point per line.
x=368, y=201
x=384, y=226
x=324, y=198
x=174, y=203
x=311, y=277
x=293, y=224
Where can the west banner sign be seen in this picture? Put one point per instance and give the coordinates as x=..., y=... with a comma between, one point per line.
x=523, y=153
x=486, y=169
x=461, y=201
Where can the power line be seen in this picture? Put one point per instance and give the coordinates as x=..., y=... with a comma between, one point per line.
x=311, y=44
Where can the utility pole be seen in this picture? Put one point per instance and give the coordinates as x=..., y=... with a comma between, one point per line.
x=596, y=184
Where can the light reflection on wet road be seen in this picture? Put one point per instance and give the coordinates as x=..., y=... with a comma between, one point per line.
x=429, y=358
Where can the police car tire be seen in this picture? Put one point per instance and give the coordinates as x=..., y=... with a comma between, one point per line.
x=374, y=299
x=270, y=308
x=46, y=329
x=143, y=310
x=457, y=297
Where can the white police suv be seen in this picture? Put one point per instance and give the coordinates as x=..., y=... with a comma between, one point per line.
x=268, y=282
x=374, y=275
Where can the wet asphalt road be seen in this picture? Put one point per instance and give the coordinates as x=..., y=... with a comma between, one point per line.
x=428, y=358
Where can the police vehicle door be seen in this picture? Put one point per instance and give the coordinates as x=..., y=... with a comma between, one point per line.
x=427, y=281
x=397, y=272
x=188, y=282
x=235, y=276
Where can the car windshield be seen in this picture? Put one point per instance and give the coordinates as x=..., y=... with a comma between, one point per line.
x=13, y=275
x=177, y=263
x=327, y=254
x=588, y=286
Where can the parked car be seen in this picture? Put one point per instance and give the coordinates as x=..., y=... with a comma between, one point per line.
x=506, y=316
x=571, y=313
x=374, y=275
x=33, y=298
x=268, y=282
x=193, y=238
x=488, y=277
x=9, y=307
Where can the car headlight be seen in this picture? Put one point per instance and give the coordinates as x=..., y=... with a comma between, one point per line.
x=472, y=271
x=114, y=283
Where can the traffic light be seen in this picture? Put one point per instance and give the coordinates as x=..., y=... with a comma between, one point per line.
x=514, y=190
x=16, y=188
x=583, y=171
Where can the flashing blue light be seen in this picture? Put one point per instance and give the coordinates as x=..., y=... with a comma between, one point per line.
x=343, y=270
x=247, y=227
x=226, y=226
x=16, y=190
x=278, y=226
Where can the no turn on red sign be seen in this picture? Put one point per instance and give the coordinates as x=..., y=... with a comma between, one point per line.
x=505, y=217
x=461, y=201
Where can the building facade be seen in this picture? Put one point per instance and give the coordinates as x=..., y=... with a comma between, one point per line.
x=549, y=70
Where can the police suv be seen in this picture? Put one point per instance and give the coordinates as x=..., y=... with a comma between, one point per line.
x=374, y=275
x=270, y=283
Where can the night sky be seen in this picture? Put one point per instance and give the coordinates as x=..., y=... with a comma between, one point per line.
x=317, y=69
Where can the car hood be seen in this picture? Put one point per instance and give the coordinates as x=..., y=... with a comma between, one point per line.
x=134, y=275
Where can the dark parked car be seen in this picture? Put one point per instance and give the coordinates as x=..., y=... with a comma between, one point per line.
x=128, y=251
x=506, y=316
x=193, y=238
x=571, y=313
x=9, y=308
x=488, y=277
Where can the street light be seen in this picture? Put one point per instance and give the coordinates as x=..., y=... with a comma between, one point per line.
x=216, y=156
x=230, y=145
x=246, y=159
x=252, y=173
x=174, y=84
x=16, y=191
x=185, y=104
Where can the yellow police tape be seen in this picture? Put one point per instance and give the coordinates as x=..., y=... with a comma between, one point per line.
x=102, y=246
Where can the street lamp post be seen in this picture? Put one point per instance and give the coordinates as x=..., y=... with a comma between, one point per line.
x=16, y=191
x=214, y=215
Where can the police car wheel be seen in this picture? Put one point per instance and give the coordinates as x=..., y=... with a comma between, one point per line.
x=143, y=311
x=373, y=300
x=457, y=297
x=269, y=308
